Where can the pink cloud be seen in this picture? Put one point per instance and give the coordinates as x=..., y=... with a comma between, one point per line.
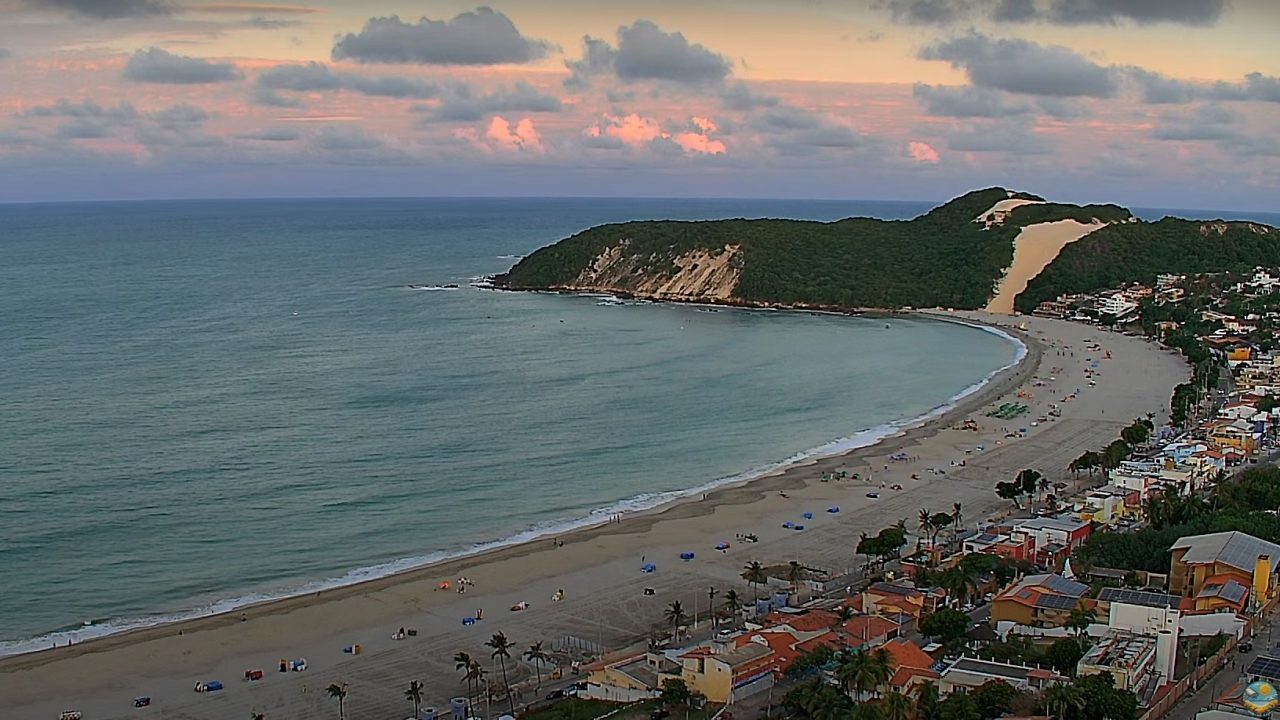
x=922, y=152
x=693, y=142
x=706, y=125
x=631, y=130
x=523, y=137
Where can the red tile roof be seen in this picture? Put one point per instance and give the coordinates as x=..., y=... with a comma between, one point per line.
x=866, y=628
x=804, y=622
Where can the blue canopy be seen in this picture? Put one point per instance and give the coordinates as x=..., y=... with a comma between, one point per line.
x=648, y=568
x=833, y=509
x=807, y=516
x=686, y=555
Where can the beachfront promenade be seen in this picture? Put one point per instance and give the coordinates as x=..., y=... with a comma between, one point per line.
x=599, y=570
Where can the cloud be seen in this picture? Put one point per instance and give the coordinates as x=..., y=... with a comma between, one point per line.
x=480, y=37
x=522, y=137
x=265, y=23
x=922, y=152
x=180, y=116
x=122, y=112
x=741, y=97
x=1011, y=137
x=107, y=9
x=1161, y=89
x=317, y=77
x=647, y=52
x=796, y=131
x=927, y=12
x=332, y=137
x=4, y=53
x=966, y=101
x=272, y=135
x=160, y=66
x=1015, y=11
x=460, y=105
x=262, y=8
x=1207, y=122
x=1025, y=67
x=1142, y=12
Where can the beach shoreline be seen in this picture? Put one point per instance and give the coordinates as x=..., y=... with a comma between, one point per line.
x=594, y=573
x=781, y=478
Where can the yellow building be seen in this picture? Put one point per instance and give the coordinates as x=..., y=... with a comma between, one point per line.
x=1237, y=434
x=1224, y=570
x=723, y=677
x=630, y=678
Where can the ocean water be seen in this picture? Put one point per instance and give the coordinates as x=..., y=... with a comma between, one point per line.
x=204, y=404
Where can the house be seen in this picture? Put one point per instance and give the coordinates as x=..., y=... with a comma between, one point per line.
x=908, y=664
x=630, y=678
x=966, y=673
x=884, y=598
x=1110, y=504
x=1210, y=567
x=994, y=542
x=1053, y=537
x=1237, y=434
x=1038, y=600
x=868, y=630
x=1131, y=659
x=726, y=677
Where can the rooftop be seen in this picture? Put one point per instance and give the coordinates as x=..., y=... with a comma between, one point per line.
x=1144, y=598
x=1119, y=649
x=1229, y=590
x=1234, y=548
x=747, y=653
x=1064, y=524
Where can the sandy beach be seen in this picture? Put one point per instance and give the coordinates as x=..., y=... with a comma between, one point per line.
x=598, y=568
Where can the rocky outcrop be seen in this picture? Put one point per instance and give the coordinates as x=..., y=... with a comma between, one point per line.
x=708, y=275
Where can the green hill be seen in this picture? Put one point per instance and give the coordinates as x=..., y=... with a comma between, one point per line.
x=952, y=256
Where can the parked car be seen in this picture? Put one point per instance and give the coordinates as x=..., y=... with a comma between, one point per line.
x=1245, y=647
x=873, y=495
x=555, y=695
x=659, y=714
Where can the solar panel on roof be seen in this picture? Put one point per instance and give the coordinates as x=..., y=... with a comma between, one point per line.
x=1138, y=597
x=1061, y=585
x=1264, y=666
x=1056, y=602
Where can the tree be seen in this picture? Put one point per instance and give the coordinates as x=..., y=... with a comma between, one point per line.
x=960, y=705
x=477, y=674
x=925, y=525
x=1028, y=480
x=1043, y=486
x=928, y=701
x=536, y=655
x=1115, y=453
x=1080, y=619
x=732, y=603
x=414, y=695
x=817, y=700
x=675, y=693
x=994, y=698
x=1011, y=491
x=879, y=669
x=946, y=624
x=896, y=706
x=1063, y=655
x=1062, y=701
x=711, y=604
x=957, y=581
x=462, y=661
x=1101, y=700
x=957, y=516
x=938, y=523
x=339, y=692
x=755, y=574
x=502, y=652
x=810, y=661
x=794, y=571
x=676, y=615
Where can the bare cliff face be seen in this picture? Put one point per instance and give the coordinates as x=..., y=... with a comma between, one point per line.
x=698, y=275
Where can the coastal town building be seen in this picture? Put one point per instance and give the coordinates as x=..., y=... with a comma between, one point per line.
x=1053, y=538
x=1039, y=600
x=1224, y=571
x=630, y=678
x=969, y=673
x=1134, y=661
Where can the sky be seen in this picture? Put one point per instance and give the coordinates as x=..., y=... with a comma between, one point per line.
x=1148, y=103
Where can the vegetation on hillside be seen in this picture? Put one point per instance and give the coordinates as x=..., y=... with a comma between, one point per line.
x=1036, y=213
x=942, y=258
x=1138, y=251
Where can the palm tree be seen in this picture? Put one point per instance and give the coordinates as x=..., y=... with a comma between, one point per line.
x=1058, y=699
x=675, y=615
x=414, y=695
x=926, y=524
x=879, y=668
x=711, y=604
x=502, y=651
x=477, y=674
x=462, y=661
x=536, y=655
x=957, y=581
x=938, y=523
x=339, y=693
x=1043, y=486
x=927, y=701
x=732, y=603
x=896, y=706
x=957, y=515
x=1081, y=618
x=755, y=574
x=849, y=664
x=793, y=576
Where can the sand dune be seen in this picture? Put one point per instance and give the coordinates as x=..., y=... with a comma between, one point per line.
x=1034, y=248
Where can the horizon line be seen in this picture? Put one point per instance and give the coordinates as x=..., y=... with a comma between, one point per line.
x=302, y=198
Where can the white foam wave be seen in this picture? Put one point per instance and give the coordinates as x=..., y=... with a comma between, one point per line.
x=510, y=257
x=637, y=503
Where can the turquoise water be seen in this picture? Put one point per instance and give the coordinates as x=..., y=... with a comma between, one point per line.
x=205, y=404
